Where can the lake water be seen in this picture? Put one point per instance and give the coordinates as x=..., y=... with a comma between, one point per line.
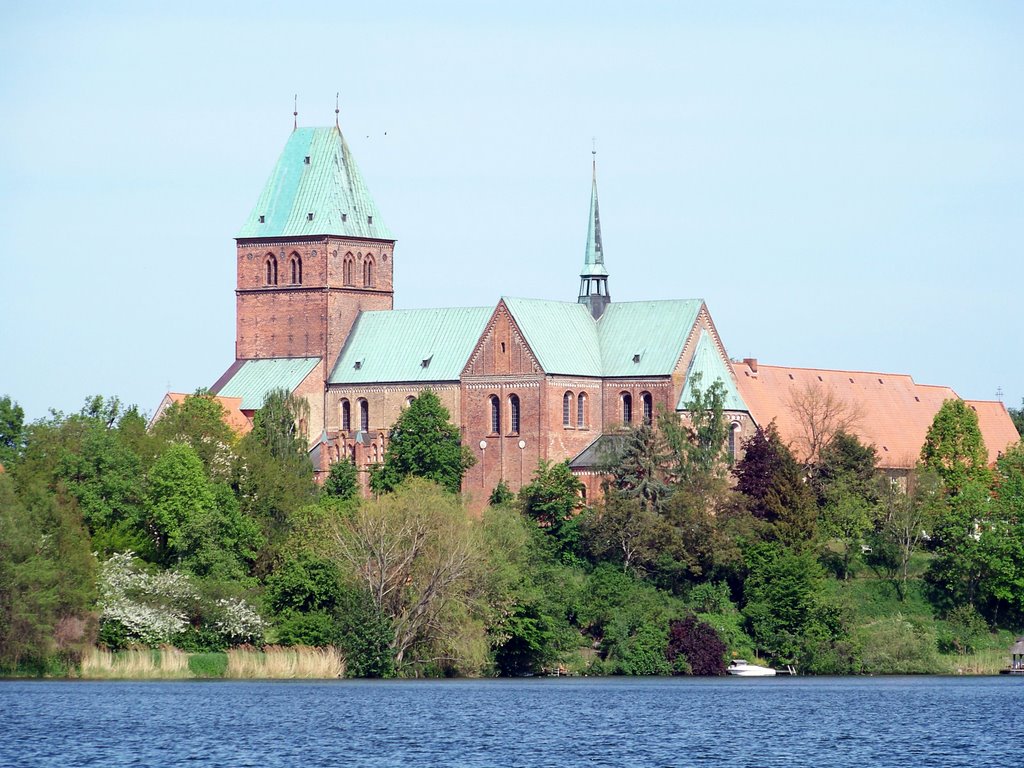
x=541, y=722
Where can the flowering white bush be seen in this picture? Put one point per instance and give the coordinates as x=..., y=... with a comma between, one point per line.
x=153, y=607
x=238, y=621
x=150, y=606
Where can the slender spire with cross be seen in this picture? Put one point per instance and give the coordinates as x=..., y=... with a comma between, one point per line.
x=337, y=111
x=295, y=113
x=594, y=276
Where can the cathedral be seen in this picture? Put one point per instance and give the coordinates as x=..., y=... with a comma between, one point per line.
x=524, y=379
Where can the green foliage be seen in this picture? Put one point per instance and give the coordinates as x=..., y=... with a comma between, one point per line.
x=639, y=471
x=894, y=645
x=208, y=665
x=196, y=523
x=552, y=497
x=771, y=478
x=280, y=425
x=629, y=620
x=46, y=578
x=786, y=609
x=342, y=481
x=501, y=495
x=954, y=447
x=198, y=421
x=697, y=450
x=623, y=530
x=965, y=633
x=423, y=443
x=1017, y=414
x=12, y=431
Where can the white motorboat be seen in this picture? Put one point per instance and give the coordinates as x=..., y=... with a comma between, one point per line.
x=743, y=668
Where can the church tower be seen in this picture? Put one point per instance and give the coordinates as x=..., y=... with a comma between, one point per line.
x=313, y=253
x=593, y=276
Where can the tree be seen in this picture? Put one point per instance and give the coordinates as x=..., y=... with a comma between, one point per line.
x=342, y=481
x=696, y=448
x=821, y=414
x=423, y=443
x=773, y=482
x=1017, y=414
x=46, y=577
x=552, y=498
x=280, y=424
x=198, y=421
x=624, y=530
x=954, y=447
x=639, y=470
x=196, y=523
x=12, y=431
x=694, y=648
x=418, y=556
x=501, y=495
x=905, y=515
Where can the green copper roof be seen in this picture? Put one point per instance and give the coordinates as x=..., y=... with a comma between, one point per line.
x=643, y=338
x=709, y=364
x=256, y=378
x=654, y=330
x=410, y=345
x=563, y=336
x=315, y=189
x=593, y=258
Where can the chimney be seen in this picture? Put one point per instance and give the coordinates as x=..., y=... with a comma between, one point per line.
x=751, y=363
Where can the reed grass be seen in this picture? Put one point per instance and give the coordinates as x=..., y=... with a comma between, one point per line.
x=285, y=663
x=164, y=663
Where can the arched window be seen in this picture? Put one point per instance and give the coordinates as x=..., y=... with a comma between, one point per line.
x=513, y=412
x=648, y=404
x=368, y=271
x=581, y=410
x=409, y=400
x=495, y=415
x=733, y=431
x=295, y=267
x=627, y=408
x=364, y=415
x=567, y=409
x=346, y=416
x=271, y=269
x=347, y=269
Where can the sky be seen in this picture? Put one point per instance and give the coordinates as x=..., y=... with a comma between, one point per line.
x=842, y=183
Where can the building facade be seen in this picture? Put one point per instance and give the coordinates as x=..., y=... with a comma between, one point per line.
x=525, y=380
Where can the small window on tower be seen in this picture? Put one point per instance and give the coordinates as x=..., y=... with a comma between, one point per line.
x=344, y=217
x=369, y=219
x=263, y=219
x=306, y=160
x=309, y=217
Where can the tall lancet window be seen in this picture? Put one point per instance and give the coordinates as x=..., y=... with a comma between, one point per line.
x=271, y=265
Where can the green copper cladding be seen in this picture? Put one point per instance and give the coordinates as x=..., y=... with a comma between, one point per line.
x=410, y=345
x=315, y=189
x=709, y=364
x=593, y=257
x=256, y=378
x=636, y=338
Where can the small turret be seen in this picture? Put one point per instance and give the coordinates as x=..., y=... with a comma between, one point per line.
x=593, y=276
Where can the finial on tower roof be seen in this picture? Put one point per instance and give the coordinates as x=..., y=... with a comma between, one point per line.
x=336, y=112
x=593, y=151
x=295, y=113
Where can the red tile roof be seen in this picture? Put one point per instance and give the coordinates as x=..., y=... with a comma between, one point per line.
x=233, y=416
x=887, y=410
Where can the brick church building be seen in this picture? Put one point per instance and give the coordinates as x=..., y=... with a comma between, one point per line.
x=524, y=379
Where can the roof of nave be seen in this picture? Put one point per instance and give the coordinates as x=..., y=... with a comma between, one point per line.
x=636, y=338
x=415, y=345
x=254, y=379
x=315, y=189
x=890, y=411
x=709, y=365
